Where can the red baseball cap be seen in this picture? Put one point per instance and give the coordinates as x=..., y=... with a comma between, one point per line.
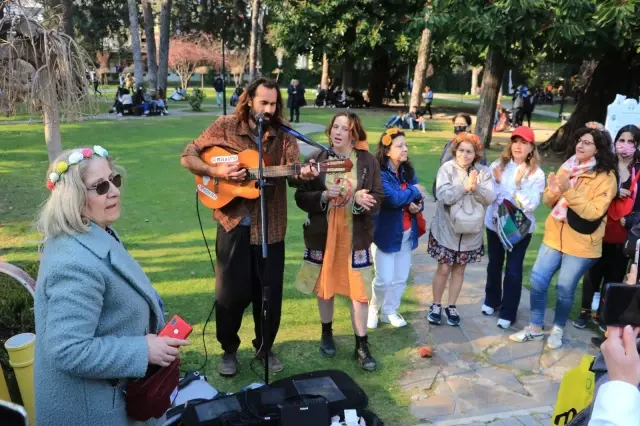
x=525, y=133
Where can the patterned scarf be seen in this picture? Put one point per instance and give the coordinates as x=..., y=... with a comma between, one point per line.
x=574, y=169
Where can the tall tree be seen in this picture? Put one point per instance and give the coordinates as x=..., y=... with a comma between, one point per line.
x=498, y=27
x=134, y=30
x=64, y=9
x=324, y=79
x=150, y=35
x=163, y=63
x=475, y=73
x=256, y=38
x=422, y=64
x=362, y=29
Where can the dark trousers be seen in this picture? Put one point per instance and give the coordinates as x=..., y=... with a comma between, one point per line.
x=427, y=109
x=294, y=111
x=610, y=268
x=505, y=293
x=240, y=270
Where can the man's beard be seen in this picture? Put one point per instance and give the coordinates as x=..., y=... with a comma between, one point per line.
x=266, y=121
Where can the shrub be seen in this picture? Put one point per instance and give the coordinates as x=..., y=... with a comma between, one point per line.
x=195, y=99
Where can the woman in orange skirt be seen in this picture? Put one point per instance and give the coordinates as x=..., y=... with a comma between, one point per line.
x=338, y=232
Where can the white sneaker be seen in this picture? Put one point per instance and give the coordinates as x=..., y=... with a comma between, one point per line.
x=526, y=335
x=372, y=320
x=395, y=320
x=555, y=338
x=487, y=310
x=504, y=324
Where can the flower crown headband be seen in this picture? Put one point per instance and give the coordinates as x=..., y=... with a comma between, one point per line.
x=467, y=137
x=388, y=136
x=74, y=158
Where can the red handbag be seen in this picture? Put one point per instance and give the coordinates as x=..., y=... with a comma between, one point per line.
x=151, y=396
x=614, y=232
x=422, y=224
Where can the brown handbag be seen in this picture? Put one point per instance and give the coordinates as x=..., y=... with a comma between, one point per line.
x=151, y=396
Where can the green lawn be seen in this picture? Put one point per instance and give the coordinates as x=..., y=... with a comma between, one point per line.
x=160, y=228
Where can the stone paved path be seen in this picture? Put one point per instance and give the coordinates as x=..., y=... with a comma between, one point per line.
x=477, y=376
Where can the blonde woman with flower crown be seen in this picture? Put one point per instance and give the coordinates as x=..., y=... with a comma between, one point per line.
x=97, y=314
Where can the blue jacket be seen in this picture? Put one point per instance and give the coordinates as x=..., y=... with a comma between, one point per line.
x=388, y=223
x=93, y=307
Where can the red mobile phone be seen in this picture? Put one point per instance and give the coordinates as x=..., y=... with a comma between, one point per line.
x=176, y=327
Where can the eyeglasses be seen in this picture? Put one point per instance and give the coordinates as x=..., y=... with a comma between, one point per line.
x=104, y=186
x=585, y=142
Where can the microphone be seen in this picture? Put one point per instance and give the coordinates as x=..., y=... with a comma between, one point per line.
x=261, y=118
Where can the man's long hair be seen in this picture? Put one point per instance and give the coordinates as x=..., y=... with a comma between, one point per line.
x=243, y=110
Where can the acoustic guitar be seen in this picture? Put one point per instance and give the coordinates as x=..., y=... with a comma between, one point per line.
x=215, y=193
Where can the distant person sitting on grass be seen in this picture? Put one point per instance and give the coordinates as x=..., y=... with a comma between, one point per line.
x=397, y=120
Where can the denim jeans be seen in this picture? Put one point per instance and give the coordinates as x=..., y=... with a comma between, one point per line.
x=571, y=268
x=219, y=98
x=505, y=293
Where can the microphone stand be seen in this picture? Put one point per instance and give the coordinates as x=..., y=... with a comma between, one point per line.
x=266, y=290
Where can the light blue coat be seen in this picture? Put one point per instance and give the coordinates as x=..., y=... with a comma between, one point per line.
x=94, y=305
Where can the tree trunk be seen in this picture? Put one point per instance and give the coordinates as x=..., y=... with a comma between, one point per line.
x=256, y=5
x=491, y=80
x=610, y=77
x=347, y=73
x=420, y=73
x=150, y=34
x=163, y=63
x=379, y=77
x=134, y=29
x=51, y=114
x=475, y=72
x=324, y=80
x=67, y=17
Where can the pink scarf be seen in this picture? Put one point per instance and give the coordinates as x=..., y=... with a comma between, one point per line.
x=574, y=169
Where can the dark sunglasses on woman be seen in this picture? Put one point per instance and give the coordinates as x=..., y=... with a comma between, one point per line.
x=103, y=187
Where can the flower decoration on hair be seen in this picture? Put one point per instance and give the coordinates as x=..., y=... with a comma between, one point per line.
x=388, y=136
x=74, y=158
x=467, y=137
x=595, y=126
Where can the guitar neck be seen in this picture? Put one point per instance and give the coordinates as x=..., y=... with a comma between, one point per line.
x=276, y=171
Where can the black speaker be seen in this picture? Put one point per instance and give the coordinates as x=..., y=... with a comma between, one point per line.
x=304, y=410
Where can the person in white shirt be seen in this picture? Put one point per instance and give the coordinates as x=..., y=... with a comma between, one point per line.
x=618, y=401
x=520, y=180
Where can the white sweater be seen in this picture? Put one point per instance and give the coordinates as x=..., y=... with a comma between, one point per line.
x=617, y=404
x=527, y=197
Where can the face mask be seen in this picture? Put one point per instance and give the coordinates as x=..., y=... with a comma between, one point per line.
x=625, y=149
x=459, y=129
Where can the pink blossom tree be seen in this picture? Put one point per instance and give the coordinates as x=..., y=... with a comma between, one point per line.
x=188, y=52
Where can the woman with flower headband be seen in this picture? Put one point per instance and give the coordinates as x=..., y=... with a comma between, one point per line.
x=338, y=233
x=464, y=189
x=96, y=312
x=396, y=228
x=579, y=195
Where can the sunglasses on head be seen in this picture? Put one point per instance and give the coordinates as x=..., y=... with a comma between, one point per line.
x=104, y=186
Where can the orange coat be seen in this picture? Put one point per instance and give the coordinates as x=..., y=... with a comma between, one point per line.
x=590, y=199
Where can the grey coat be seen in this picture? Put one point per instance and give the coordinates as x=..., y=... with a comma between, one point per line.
x=94, y=305
x=449, y=190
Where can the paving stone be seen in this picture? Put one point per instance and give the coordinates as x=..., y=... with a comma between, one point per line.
x=419, y=380
x=502, y=378
x=528, y=421
x=510, y=422
x=435, y=406
x=482, y=396
x=451, y=338
x=522, y=356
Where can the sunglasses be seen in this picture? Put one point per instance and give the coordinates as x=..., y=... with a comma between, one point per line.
x=104, y=186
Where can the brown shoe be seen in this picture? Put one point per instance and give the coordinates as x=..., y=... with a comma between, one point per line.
x=228, y=366
x=275, y=365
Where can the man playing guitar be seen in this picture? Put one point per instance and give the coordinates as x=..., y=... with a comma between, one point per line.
x=240, y=266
